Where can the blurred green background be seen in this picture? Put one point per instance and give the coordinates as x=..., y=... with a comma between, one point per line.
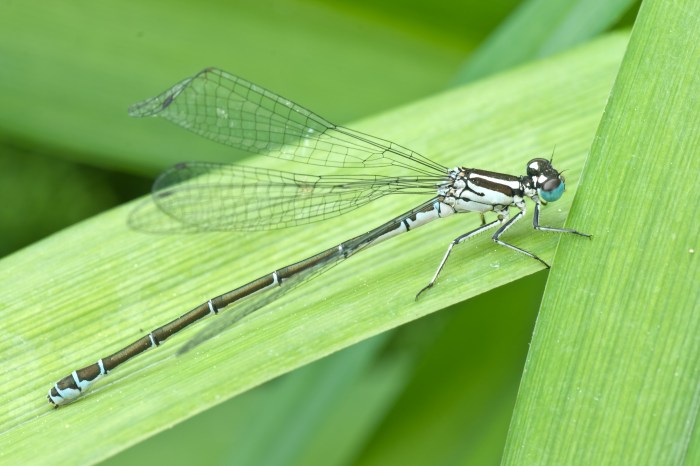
x=437, y=391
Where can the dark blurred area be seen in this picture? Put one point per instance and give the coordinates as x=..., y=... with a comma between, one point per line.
x=43, y=194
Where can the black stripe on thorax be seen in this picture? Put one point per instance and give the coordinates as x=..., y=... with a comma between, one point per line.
x=507, y=185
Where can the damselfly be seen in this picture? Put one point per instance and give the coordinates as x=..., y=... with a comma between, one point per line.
x=210, y=196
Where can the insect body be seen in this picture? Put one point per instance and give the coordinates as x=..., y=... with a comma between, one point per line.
x=214, y=196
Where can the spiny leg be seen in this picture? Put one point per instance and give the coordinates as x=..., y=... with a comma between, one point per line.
x=459, y=239
x=497, y=237
x=537, y=226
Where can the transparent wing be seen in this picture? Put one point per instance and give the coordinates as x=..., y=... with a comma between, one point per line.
x=235, y=112
x=221, y=197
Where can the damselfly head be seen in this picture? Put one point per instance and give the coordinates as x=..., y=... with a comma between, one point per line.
x=547, y=180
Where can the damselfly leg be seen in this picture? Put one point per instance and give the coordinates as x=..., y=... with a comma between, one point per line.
x=456, y=241
x=505, y=223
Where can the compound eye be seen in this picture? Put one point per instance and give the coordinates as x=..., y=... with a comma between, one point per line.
x=551, y=190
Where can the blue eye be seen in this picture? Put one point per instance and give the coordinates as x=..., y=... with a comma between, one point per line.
x=551, y=190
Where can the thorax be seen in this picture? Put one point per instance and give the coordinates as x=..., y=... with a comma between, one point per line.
x=473, y=190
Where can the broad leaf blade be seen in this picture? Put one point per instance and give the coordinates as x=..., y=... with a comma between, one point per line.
x=612, y=376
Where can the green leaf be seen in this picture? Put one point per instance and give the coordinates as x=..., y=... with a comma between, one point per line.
x=612, y=375
x=90, y=289
x=539, y=28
